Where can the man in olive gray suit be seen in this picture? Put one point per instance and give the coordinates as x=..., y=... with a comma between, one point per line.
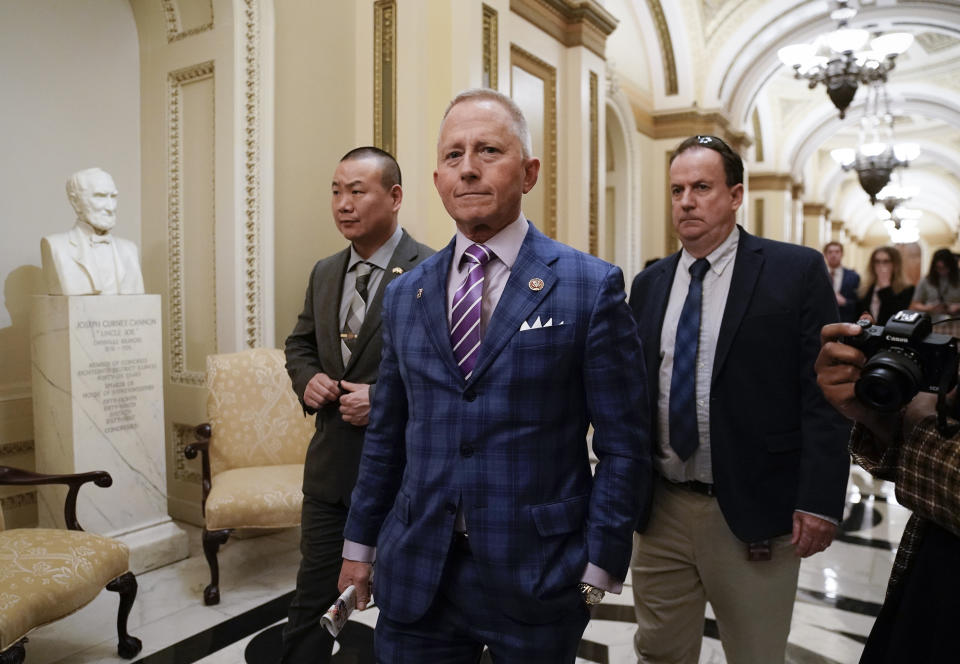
x=333, y=355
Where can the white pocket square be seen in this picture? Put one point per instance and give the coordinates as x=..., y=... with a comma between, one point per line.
x=537, y=324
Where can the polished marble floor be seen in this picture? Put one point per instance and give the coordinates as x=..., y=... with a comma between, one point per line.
x=839, y=596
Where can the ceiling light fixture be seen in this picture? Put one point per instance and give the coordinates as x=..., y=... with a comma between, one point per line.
x=839, y=60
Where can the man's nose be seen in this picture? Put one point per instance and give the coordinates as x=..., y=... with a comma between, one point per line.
x=469, y=166
x=686, y=200
x=343, y=203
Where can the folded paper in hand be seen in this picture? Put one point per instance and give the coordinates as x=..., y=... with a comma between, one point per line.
x=336, y=616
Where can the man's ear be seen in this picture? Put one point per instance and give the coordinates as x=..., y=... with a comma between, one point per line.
x=531, y=171
x=396, y=193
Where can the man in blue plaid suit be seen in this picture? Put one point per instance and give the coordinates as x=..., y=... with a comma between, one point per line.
x=475, y=492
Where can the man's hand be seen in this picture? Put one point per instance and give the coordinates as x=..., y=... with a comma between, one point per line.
x=355, y=403
x=811, y=534
x=838, y=368
x=320, y=391
x=841, y=300
x=356, y=574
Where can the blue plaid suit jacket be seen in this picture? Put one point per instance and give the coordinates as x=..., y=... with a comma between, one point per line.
x=510, y=443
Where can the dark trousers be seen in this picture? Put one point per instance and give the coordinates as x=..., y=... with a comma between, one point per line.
x=321, y=549
x=465, y=615
x=918, y=621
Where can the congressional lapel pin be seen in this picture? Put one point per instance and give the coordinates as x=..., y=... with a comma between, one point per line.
x=397, y=270
x=419, y=293
x=536, y=284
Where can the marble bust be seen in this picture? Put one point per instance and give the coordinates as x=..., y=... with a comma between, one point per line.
x=88, y=259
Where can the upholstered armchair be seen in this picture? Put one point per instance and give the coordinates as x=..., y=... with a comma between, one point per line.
x=48, y=573
x=251, y=450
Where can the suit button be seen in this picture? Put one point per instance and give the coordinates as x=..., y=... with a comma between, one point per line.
x=466, y=451
x=469, y=395
x=451, y=508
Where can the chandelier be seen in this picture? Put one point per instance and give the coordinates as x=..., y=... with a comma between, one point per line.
x=876, y=155
x=839, y=60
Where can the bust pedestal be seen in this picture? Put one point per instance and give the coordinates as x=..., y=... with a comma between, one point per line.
x=98, y=405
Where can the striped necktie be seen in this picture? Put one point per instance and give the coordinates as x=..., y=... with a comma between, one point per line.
x=684, y=433
x=357, y=311
x=467, y=304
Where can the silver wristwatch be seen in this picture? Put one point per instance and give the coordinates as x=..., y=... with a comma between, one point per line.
x=591, y=594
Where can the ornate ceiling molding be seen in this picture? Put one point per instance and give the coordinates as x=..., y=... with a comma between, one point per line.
x=671, y=85
x=571, y=22
x=681, y=124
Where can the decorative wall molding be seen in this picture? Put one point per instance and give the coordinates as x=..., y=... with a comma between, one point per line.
x=18, y=500
x=385, y=75
x=253, y=227
x=819, y=210
x=491, y=45
x=681, y=124
x=548, y=161
x=619, y=104
x=770, y=181
x=670, y=84
x=757, y=136
x=594, y=200
x=175, y=31
x=183, y=435
x=18, y=447
x=571, y=22
x=175, y=259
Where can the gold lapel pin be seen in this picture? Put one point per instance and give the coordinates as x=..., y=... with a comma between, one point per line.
x=536, y=284
x=397, y=270
x=419, y=293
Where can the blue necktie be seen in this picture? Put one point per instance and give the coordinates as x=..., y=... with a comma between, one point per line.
x=684, y=437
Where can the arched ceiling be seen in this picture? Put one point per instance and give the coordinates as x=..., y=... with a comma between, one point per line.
x=729, y=63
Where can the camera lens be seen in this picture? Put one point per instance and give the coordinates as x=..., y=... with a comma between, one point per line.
x=889, y=380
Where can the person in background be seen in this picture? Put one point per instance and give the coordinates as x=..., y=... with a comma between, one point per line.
x=333, y=356
x=885, y=292
x=845, y=281
x=938, y=293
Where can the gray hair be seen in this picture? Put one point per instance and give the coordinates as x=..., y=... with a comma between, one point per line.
x=518, y=124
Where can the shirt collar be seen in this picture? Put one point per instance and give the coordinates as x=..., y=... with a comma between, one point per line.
x=505, y=244
x=720, y=257
x=90, y=236
x=381, y=257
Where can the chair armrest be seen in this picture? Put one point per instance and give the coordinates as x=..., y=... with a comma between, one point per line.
x=17, y=476
x=201, y=445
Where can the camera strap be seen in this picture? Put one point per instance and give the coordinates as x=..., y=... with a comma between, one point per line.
x=947, y=428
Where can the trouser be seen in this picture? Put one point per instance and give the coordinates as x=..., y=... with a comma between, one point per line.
x=688, y=556
x=321, y=549
x=465, y=616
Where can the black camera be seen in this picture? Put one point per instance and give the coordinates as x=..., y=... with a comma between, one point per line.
x=903, y=358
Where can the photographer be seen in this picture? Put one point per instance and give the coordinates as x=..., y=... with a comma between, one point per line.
x=919, y=618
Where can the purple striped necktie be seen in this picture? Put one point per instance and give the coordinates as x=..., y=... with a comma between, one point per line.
x=467, y=304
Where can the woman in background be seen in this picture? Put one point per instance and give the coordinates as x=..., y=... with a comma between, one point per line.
x=938, y=293
x=884, y=292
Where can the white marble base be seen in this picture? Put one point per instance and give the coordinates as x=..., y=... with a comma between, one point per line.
x=98, y=405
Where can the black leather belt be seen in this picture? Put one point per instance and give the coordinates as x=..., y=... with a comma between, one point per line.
x=461, y=543
x=696, y=486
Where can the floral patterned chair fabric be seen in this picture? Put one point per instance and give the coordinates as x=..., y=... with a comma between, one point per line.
x=252, y=450
x=47, y=574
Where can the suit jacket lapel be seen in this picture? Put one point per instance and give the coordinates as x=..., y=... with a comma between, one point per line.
x=328, y=301
x=659, y=294
x=83, y=257
x=746, y=269
x=433, y=303
x=518, y=299
x=403, y=257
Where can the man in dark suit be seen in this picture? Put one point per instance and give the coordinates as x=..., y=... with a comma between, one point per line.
x=750, y=460
x=475, y=485
x=845, y=282
x=332, y=357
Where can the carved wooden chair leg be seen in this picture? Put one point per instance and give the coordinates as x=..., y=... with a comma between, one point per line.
x=126, y=586
x=212, y=540
x=15, y=654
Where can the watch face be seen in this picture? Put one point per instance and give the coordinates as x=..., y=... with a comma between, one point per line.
x=593, y=595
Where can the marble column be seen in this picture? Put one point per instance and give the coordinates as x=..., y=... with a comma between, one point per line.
x=98, y=405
